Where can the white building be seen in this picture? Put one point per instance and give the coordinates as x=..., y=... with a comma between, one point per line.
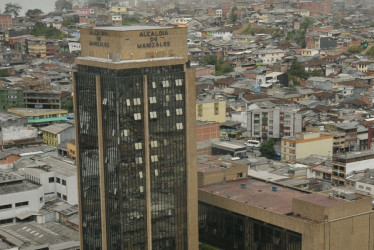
x=57, y=176
x=19, y=198
x=269, y=123
x=271, y=56
x=74, y=46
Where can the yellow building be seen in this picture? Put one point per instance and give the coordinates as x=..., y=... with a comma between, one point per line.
x=55, y=134
x=119, y=9
x=211, y=111
x=36, y=47
x=305, y=144
x=71, y=148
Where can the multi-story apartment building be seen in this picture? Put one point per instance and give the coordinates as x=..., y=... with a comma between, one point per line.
x=273, y=123
x=6, y=21
x=305, y=144
x=11, y=98
x=42, y=99
x=136, y=139
x=346, y=163
x=36, y=47
x=211, y=111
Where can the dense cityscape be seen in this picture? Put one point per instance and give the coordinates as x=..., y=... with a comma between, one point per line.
x=185, y=124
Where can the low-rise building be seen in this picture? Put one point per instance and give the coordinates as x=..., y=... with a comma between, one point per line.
x=211, y=110
x=31, y=235
x=345, y=164
x=305, y=144
x=71, y=149
x=19, y=198
x=41, y=117
x=57, y=133
x=206, y=134
x=57, y=176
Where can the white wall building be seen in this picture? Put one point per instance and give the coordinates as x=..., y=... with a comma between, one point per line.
x=19, y=198
x=58, y=178
x=269, y=57
x=269, y=123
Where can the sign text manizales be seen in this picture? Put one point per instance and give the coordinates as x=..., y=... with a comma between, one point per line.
x=154, y=39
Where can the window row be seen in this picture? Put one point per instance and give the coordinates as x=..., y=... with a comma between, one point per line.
x=18, y=204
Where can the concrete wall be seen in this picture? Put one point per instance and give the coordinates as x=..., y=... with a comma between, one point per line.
x=207, y=111
x=32, y=196
x=320, y=147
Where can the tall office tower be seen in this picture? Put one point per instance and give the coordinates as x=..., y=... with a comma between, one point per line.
x=134, y=100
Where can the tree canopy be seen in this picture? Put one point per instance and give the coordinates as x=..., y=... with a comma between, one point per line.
x=61, y=5
x=370, y=52
x=40, y=29
x=297, y=70
x=12, y=9
x=267, y=149
x=31, y=12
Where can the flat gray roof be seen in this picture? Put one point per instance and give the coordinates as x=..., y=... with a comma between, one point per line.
x=8, y=177
x=34, y=235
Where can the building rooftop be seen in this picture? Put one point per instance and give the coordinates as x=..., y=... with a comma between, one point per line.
x=131, y=28
x=322, y=200
x=57, y=128
x=8, y=177
x=258, y=193
x=36, y=112
x=354, y=154
x=5, y=116
x=23, y=186
x=32, y=235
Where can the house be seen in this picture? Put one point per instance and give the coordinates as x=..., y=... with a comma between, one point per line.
x=57, y=133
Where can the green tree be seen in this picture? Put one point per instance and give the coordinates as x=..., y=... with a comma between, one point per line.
x=210, y=60
x=356, y=49
x=233, y=16
x=267, y=149
x=67, y=103
x=67, y=22
x=4, y=73
x=12, y=9
x=61, y=5
x=31, y=12
x=297, y=70
x=128, y=20
x=370, y=52
x=40, y=29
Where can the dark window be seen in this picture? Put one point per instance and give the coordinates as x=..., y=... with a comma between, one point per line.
x=64, y=197
x=51, y=179
x=21, y=204
x=63, y=182
x=6, y=221
x=239, y=175
x=58, y=195
x=41, y=199
x=58, y=180
x=5, y=206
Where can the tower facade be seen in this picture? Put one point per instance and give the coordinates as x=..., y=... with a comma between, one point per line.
x=134, y=100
